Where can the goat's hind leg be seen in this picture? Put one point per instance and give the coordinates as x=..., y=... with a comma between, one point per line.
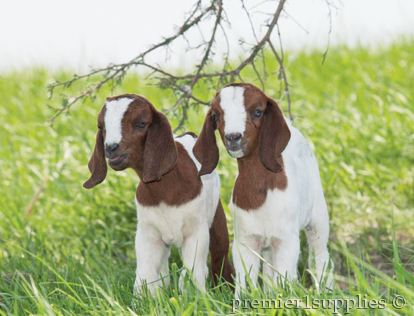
x=219, y=248
x=317, y=234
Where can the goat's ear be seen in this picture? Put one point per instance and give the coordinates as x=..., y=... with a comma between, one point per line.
x=97, y=164
x=160, y=151
x=205, y=148
x=274, y=136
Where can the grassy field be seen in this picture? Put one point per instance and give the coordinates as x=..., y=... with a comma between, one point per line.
x=68, y=251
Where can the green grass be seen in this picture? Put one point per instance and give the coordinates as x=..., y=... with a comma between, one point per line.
x=72, y=253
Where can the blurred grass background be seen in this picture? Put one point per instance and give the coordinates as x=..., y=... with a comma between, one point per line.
x=357, y=111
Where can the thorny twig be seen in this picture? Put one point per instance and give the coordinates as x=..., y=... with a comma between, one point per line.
x=283, y=74
x=262, y=52
x=183, y=85
x=329, y=5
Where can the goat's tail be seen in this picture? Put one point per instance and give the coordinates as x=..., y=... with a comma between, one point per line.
x=220, y=265
x=289, y=122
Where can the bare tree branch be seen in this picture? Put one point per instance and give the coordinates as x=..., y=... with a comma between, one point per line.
x=329, y=5
x=119, y=70
x=283, y=73
x=183, y=85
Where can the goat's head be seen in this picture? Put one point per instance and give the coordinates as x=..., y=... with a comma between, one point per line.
x=246, y=118
x=132, y=134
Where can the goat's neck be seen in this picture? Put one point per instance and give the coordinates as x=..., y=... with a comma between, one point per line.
x=248, y=163
x=139, y=169
x=177, y=187
x=255, y=180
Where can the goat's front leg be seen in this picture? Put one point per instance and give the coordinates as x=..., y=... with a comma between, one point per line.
x=246, y=260
x=285, y=255
x=152, y=256
x=195, y=252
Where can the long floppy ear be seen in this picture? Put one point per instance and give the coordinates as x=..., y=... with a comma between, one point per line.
x=160, y=151
x=274, y=136
x=205, y=148
x=97, y=164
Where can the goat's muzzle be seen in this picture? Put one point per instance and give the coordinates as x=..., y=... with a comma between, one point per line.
x=234, y=145
x=111, y=150
x=119, y=162
x=116, y=160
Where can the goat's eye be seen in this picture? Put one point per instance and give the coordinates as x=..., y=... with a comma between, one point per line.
x=100, y=126
x=258, y=113
x=140, y=124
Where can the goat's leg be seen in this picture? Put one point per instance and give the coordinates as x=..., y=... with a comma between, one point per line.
x=285, y=255
x=195, y=252
x=246, y=262
x=219, y=248
x=268, y=271
x=151, y=252
x=317, y=234
x=164, y=271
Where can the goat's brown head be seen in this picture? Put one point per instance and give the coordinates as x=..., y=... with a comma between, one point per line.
x=246, y=118
x=132, y=134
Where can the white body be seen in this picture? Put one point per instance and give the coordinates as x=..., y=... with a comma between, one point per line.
x=273, y=229
x=186, y=227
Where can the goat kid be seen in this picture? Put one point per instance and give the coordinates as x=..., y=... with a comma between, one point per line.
x=175, y=206
x=278, y=189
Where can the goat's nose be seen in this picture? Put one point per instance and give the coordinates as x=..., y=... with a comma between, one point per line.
x=233, y=137
x=111, y=148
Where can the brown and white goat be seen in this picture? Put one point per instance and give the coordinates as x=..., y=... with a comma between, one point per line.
x=175, y=206
x=278, y=189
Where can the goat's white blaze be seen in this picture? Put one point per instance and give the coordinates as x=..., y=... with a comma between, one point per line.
x=114, y=114
x=232, y=103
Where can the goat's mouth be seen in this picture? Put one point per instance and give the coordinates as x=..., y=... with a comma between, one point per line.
x=236, y=153
x=235, y=149
x=117, y=162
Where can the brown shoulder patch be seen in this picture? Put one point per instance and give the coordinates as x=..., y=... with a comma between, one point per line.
x=175, y=188
x=254, y=182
